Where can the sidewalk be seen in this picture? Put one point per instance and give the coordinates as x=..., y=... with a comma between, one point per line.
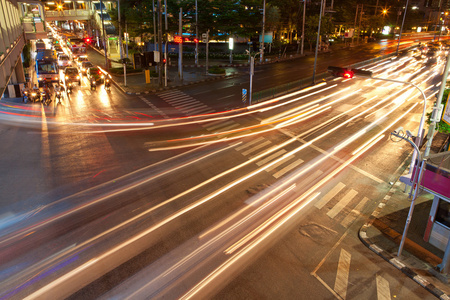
x=383, y=231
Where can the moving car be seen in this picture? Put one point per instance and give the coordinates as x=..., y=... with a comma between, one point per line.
x=71, y=74
x=96, y=74
x=64, y=61
x=81, y=59
x=85, y=65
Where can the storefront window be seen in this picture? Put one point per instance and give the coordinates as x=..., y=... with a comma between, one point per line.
x=443, y=213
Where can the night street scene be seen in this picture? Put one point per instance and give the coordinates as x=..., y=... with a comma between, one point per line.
x=217, y=149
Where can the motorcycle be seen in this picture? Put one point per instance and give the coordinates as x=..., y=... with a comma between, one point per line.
x=58, y=97
x=93, y=84
x=26, y=94
x=69, y=88
x=34, y=96
x=107, y=84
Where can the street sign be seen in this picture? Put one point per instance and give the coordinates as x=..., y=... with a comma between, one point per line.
x=446, y=114
x=204, y=37
x=244, y=95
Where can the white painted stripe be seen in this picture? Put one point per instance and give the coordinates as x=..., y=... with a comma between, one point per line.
x=333, y=192
x=194, y=106
x=249, y=144
x=232, y=126
x=221, y=124
x=170, y=92
x=182, y=102
x=383, y=291
x=196, y=110
x=341, y=283
x=88, y=92
x=175, y=99
x=288, y=168
x=342, y=203
x=272, y=167
x=355, y=213
x=270, y=157
x=212, y=123
x=255, y=148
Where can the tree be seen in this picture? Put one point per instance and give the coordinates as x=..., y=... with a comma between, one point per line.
x=312, y=23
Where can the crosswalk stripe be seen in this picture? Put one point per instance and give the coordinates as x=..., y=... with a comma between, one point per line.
x=280, y=163
x=255, y=148
x=219, y=125
x=270, y=157
x=175, y=97
x=88, y=92
x=383, y=291
x=355, y=213
x=342, y=203
x=288, y=168
x=178, y=102
x=194, y=106
x=170, y=92
x=333, y=192
x=232, y=126
x=249, y=144
x=212, y=123
x=341, y=283
x=195, y=111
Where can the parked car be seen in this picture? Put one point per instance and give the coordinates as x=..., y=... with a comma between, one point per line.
x=71, y=74
x=64, y=61
x=85, y=65
x=95, y=73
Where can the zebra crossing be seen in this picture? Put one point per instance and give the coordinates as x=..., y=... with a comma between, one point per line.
x=341, y=203
x=185, y=103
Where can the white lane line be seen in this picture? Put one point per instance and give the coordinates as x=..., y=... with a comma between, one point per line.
x=340, y=286
x=270, y=157
x=219, y=125
x=345, y=200
x=355, y=213
x=255, y=148
x=249, y=144
x=383, y=290
x=272, y=167
x=288, y=168
x=330, y=195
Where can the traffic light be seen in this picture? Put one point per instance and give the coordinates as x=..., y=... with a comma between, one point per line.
x=164, y=61
x=87, y=40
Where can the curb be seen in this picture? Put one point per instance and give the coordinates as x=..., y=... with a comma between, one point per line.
x=392, y=259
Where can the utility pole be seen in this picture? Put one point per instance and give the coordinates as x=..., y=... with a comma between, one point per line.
x=317, y=43
x=180, y=46
x=104, y=36
x=303, y=26
x=121, y=48
x=154, y=27
x=401, y=29
x=261, y=57
x=196, y=33
x=354, y=26
x=160, y=64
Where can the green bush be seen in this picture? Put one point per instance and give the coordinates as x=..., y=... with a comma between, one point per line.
x=216, y=70
x=441, y=126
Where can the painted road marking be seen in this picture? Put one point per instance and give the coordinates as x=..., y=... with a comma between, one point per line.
x=330, y=195
x=249, y=144
x=340, y=286
x=219, y=125
x=255, y=148
x=383, y=291
x=354, y=213
x=270, y=157
x=345, y=200
x=288, y=168
x=272, y=167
